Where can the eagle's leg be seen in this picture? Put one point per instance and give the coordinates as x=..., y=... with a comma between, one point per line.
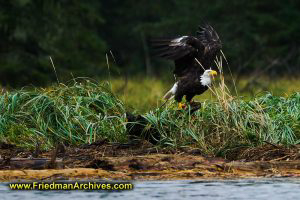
x=189, y=99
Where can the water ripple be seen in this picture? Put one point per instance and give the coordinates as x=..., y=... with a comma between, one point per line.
x=254, y=189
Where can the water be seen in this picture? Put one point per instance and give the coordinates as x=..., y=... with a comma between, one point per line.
x=209, y=190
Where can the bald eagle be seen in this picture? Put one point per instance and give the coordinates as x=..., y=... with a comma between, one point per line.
x=193, y=57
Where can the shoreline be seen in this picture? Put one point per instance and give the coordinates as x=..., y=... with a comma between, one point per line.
x=143, y=161
x=161, y=167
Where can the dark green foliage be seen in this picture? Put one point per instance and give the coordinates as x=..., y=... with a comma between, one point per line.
x=33, y=30
x=256, y=35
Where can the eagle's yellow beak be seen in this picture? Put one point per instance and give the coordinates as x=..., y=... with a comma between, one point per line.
x=213, y=73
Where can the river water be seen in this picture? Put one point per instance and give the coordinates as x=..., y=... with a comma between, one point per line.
x=252, y=189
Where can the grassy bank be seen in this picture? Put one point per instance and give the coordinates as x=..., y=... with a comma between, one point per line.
x=85, y=112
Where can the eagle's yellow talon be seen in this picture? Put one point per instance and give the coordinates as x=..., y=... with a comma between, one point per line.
x=181, y=106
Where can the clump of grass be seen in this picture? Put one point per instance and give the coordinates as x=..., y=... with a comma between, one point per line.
x=221, y=126
x=78, y=113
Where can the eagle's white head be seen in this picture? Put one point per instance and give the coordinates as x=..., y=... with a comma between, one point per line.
x=206, y=77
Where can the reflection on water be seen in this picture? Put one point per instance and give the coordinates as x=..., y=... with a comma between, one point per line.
x=209, y=190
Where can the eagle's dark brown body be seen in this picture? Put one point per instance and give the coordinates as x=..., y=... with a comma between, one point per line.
x=187, y=52
x=189, y=87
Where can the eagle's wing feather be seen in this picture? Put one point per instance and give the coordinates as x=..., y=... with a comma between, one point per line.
x=183, y=50
x=175, y=48
x=209, y=38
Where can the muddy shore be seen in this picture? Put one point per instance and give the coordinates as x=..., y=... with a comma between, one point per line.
x=101, y=160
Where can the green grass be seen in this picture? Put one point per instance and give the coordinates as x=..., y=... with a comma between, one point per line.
x=257, y=111
x=222, y=126
x=85, y=112
x=80, y=113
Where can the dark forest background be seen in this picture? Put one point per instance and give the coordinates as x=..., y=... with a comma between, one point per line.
x=258, y=36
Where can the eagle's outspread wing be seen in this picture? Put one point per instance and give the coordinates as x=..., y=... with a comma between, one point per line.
x=184, y=50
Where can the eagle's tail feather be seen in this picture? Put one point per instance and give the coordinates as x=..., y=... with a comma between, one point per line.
x=171, y=92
